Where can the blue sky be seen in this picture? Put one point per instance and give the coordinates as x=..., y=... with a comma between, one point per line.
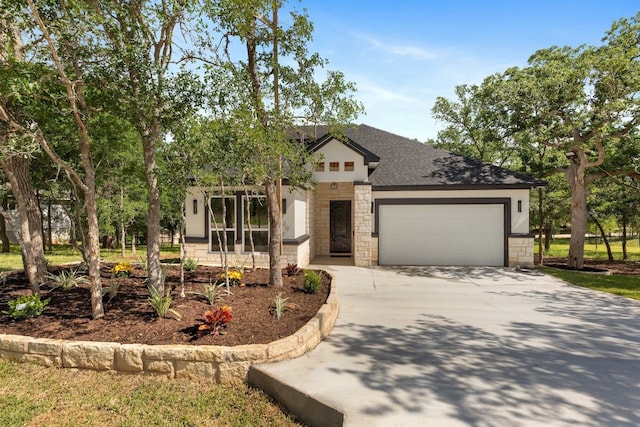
x=404, y=54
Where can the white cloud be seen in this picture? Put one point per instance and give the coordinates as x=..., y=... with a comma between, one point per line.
x=402, y=50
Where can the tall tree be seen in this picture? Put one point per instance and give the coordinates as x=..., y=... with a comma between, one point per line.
x=272, y=91
x=583, y=103
x=17, y=146
x=139, y=36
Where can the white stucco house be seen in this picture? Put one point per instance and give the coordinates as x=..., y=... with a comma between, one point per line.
x=380, y=199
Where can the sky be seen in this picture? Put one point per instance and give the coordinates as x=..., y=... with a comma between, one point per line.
x=403, y=54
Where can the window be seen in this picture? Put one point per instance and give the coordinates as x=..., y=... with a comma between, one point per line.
x=195, y=206
x=255, y=214
x=218, y=226
x=320, y=167
x=334, y=166
x=348, y=166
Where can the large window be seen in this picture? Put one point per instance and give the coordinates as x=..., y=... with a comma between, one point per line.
x=218, y=226
x=257, y=216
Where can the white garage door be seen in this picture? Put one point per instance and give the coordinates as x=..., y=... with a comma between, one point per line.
x=435, y=234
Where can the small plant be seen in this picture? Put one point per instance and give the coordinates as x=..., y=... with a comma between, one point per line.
x=112, y=289
x=215, y=321
x=190, y=264
x=161, y=303
x=143, y=262
x=122, y=269
x=312, y=282
x=279, y=305
x=67, y=279
x=235, y=276
x=212, y=292
x=26, y=306
x=292, y=270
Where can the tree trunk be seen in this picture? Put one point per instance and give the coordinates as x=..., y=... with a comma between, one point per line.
x=604, y=238
x=275, y=232
x=35, y=265
x=548, y=233
x=49, y=227
x=123, y=234
x=625, y=255
x=540, y=226
x=92, y=248
x=6, y=244
x=579, y=215
x=153, y=215
x=183, y=245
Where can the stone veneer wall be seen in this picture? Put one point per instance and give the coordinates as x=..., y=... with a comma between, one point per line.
x=362, y=225
x=216, y=363
x=324, y=195
x=295, y=254
x=374, y=250
x=521, y=251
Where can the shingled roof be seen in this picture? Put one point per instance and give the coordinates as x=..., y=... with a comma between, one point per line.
x=409, y=164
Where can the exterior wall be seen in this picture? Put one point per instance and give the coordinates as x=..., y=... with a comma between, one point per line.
x=291, y=254
x=521, y=251
x=294, y=221
x=310, y=219
x=362, y=225
x=336, y=151
x=324, y=195
x=374, y=250
x=195, y=221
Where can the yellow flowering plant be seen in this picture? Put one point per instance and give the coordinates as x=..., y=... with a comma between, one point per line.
x=235, y=276
x=122, y=269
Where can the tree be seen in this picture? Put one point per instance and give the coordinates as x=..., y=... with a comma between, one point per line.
x=271, y=92
x=17, y=146
x=139, y=38
x=580, y=102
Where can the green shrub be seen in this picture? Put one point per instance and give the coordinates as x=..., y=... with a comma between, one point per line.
x=26, y=306
x=212, y=292
x=161, y=303
x=190, y=264
x=68, y=279
x=312, y=282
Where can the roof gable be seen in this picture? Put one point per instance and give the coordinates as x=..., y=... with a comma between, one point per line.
x=348, y=142
x=408, y=163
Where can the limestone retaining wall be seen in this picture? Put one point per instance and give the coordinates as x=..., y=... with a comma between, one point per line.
x=218, y=363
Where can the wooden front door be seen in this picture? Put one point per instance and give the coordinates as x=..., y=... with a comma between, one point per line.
x=340, y=227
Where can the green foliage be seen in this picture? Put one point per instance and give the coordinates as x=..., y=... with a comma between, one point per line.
x=312, y=282
x=279, y=305
x=190, y=264
x=112, y=289
x=212, y=292
x=26, y=306
x=68, y=279
x=161, y=303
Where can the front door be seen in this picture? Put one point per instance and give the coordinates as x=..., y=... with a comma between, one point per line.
x=340, y=226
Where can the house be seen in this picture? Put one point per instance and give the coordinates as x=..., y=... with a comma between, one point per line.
x=379, y=198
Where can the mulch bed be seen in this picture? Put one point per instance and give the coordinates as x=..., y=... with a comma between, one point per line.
x=129, y=318
x=615, y=267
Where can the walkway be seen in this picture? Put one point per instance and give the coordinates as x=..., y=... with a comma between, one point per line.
x=429, y=346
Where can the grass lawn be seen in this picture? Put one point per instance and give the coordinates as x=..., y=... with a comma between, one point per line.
x=38, y=396
x=62, y=254
x=618, y=284
x=593, y=250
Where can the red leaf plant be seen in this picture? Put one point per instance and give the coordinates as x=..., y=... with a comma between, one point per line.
x=215, y=321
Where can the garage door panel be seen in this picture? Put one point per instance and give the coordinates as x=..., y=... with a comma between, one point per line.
x=441, y=234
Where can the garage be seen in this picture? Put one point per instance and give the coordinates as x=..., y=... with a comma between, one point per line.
x=427, y=232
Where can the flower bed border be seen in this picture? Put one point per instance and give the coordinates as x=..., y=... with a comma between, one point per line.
x=221, y=364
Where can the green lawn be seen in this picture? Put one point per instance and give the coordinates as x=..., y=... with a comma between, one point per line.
x=593, y=250
x=618, y=284
x=62, y=254
x=38, y=396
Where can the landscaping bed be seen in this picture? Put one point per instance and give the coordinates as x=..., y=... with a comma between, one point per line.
x=130, y=318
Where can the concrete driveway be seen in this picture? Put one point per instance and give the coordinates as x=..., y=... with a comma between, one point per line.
x=431, y=346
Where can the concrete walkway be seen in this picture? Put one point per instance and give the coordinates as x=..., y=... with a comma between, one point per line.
x=429, y=346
